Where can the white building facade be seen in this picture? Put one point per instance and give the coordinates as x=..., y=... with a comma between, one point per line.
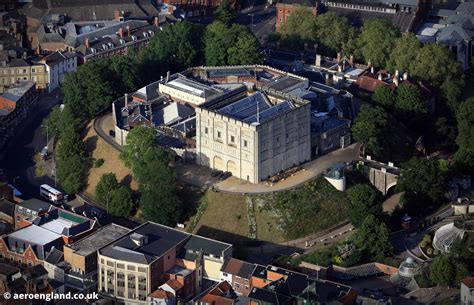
x=58, y=65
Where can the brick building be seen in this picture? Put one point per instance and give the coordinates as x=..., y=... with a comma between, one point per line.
x=285, y=8
x=238, y=274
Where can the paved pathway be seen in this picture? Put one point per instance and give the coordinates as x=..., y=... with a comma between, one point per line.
x=311, y=170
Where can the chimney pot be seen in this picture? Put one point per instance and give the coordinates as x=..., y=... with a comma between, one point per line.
x=128, y=30
x=87, y=44
x=372, y=70
x=126, y=100
x=116, y=15
x=351, y=60
x=397, y=72
x=339, y=56
x=405, y=76
x=156, y=22
x=380, y=76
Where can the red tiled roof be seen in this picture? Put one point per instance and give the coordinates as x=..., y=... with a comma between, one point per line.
x=469, y=282
x=221, y=294
x=174, y=284
x=161, y=294
x=232, y=266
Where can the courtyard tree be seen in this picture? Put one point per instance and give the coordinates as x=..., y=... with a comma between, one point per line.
x=377, y=41
x=335, y=34
x=300, y=27
x=365, y=200
x=370, y=128
x=409, y=103
x=246, y=50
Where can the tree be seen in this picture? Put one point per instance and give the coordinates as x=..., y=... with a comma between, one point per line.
x=452, y=90
x=72, y=161
x=404, y=53
x=442, y=271
x=175, y=48
x=246, y=50
x=434, y=63
x=52, y=123
x=384, y=96
x=335, y=34
x=139, y=139
x=300, y=27
x=125, y=73
x=161, y=206
x=373, y=237
x=370, y=128
x=120, y=202
x=107, y=183
x=152, y=170
x=377, y=41
x=422, y=183
x=224, y=14
x=409, y=104
x=365, y=200
x=234, y=45
x=465, y=139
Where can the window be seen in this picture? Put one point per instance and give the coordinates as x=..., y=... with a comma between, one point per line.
x=245, y=143
x=33, y=70
x=218, y=134
x=224, y=274
x=206, y=130
x=232, y=139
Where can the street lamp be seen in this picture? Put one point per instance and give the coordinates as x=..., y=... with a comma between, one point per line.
x=252, y=20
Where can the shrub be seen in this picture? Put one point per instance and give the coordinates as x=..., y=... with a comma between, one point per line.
x=98, y=163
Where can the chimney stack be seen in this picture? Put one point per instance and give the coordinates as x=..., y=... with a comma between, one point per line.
x=126, y=100
x=117, y=15
x=156, y=22
x=339, y=56
x=318, y=60
x=87, y=44
x=380, y=76
x=397, y=72
x=170, y=9
x=405, y=76
x=121, y=32
x=351, y=60
x=128, y=30
x=395, y=80
x=372, y=70
x=167, y=76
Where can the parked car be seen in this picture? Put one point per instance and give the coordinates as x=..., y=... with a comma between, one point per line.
x=216, y=173
x=225, y=175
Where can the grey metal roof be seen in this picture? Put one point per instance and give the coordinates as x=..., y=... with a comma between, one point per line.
x=54, y=256
x=35, y=235
x=7, y=207
x=270, y=113
x=246, y=107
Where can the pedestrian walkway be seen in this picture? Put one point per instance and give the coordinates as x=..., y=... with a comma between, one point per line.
x=310, y=170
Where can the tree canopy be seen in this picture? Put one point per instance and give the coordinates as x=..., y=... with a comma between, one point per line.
x=409, y=103
x=139, y=139
x=373, y=237
x=377, y=41
x=404, y=53
x=365, y=200
x=224, y=14
x=447, y=271
x=234, y=45
x=465, y=139
x=422, y=183
x=120, y=203
x=384, y=96
x=370, y=128
x=107, y=183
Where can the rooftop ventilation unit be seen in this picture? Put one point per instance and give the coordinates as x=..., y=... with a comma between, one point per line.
x=139, y=239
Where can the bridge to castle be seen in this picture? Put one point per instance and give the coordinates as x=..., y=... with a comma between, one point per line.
x=382, y=176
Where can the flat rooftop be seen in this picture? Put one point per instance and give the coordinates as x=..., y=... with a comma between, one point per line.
x=192, y=87
x=16, y=91
x=160, y=239
x=35, y=235
x=98, y=239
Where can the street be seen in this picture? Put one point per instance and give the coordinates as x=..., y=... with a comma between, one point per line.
x=18, y=161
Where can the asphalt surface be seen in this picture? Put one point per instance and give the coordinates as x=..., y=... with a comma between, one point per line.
x=29, y=139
